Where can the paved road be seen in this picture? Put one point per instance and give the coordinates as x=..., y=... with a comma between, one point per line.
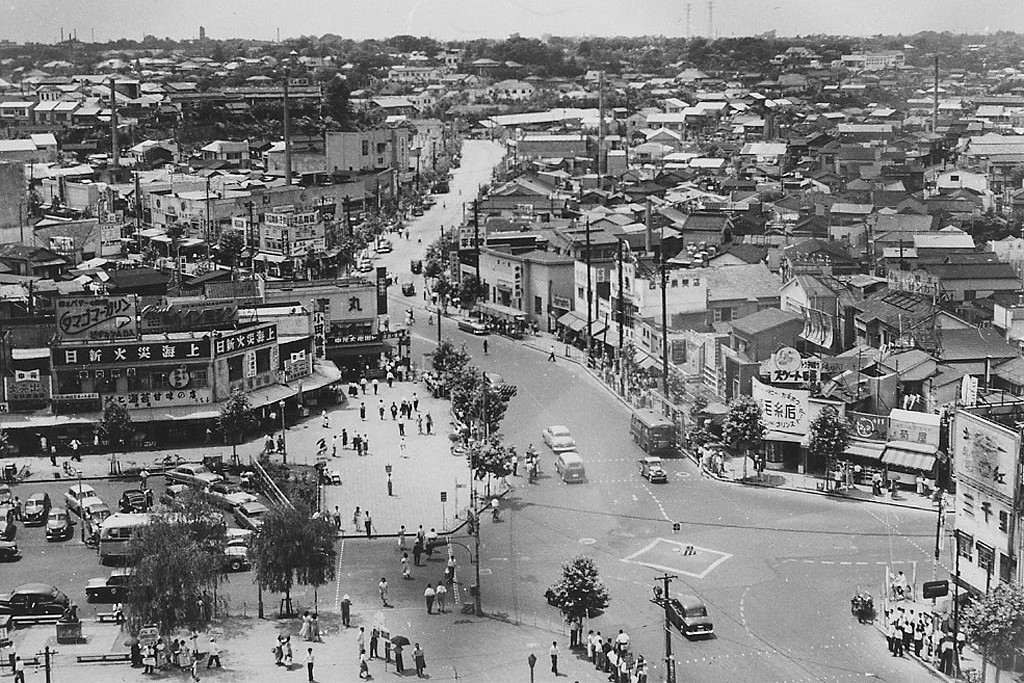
x=775, y=568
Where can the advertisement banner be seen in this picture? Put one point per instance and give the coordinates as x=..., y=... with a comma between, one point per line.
x=985, y=455
x=187, y=316
x=908, y=425
x=85, y=318
x=382, y=291
x=245, y=339
x=787, y=366
x=158, y=399
x=34, y=390
x=868, y=426
x=784, y=410
x=130, y=354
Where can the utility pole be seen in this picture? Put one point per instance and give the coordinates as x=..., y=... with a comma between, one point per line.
x=590, y=297
x=439, y=303
x=600, y=128
x=664, y=316
x=47, y=657
x=670, y=665
x=474, y=523
x=138, y=211
x=622, y=303
x=476, y=236
x=938, y=527
x=287, y=135
x=115, y=152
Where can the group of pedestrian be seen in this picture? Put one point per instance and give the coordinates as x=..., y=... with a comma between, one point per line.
x=310, y=630
x=921, y=635
x=362, y=519
x=612, y=655
x=393, y=647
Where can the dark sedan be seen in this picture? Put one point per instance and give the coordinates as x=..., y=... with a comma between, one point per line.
x=59, y=526
x=9, y=551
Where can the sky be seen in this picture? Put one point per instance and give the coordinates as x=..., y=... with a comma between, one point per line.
x=103, y=20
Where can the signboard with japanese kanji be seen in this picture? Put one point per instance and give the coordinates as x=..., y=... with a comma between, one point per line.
x=909, y=425
x=985, y=454
x=30, y=387
x=163, y=398
x=246, y=339
x=132, y=353
x=786, y=366
x=86, y=318
x=783, y=410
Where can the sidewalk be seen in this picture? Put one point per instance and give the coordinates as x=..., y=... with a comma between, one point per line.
x=457, y=646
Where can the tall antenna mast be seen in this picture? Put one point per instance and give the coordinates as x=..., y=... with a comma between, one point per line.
x=689, y=9
x=711, y=19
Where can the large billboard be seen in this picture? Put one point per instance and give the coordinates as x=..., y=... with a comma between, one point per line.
x=783, y=410
x=91, y=318
x=985, y=455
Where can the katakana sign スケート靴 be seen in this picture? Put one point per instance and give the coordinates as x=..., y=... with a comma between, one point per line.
x=133, y=353
x=84, y=318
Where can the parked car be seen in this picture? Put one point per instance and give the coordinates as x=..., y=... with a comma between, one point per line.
x=193, y=475
x=365, y=266
x=31, y=599
x=250, y=515
x=172, y=496
x=651, y=469
x=229, y=496
x=8, y=529
x=236, y=559
x=6, y=495
x=134, y=500
x=690, y=616
x=94, y=511
x=238, y=537
x=9, y=551
x=59, y=526
x=569, y=467
x=113, y=588
x=75, y=494
x=417, y=211
x=416, y=266
x=408, y=289
x=85, y=504
x=384, y=247
x=36, y=508
x=558, y=438
x=473, y=326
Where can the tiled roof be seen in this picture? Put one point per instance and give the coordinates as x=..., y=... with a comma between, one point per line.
x=743, y=282
x=766, y=319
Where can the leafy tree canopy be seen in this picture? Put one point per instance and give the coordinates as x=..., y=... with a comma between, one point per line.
x=744, y=428
x=579, y=593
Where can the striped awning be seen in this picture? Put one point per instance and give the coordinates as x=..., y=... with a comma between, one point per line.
x=865, y=449
x=914, y=456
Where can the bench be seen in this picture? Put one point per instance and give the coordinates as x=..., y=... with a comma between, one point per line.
x=36, y=619
x=122, y=658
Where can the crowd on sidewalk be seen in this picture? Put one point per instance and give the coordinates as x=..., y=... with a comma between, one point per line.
x=922, y=635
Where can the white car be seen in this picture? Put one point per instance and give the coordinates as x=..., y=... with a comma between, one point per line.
x=76, y=494
x=250, y=515
x=558, y=438
x=193, y=475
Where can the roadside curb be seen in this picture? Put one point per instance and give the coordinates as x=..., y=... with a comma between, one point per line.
x=726, y=480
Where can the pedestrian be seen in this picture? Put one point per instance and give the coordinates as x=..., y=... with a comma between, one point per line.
x=430, y=423
x=897, y=635
x=362, y=383
x=598, y=651
x=214, y=652
x=346, y=609
x=890, y=635
x=401, y=537
x=368, y=523
x=590, y=645
x=19, y=670
x=18, y=512
x=440, y=595
x=554, y=657
x=334, y=445
x=287, y=650
x=640, y=671
x=551, y=355
x=364, y=665
x=406, y=574
x=485, y=347
x=417, y=552
x=357, y=444
x=918, y=640
x=376, y=385
x=621, y=642
x=326, y=419
x=399, y=663
x=391, y=379
x=279, y=651
x=381, y=409
x=402, y=452
x=361, y=639
x=419, y=659
x=374, y=639
x=357, y=518
x=314, y=628
x=53, y=455
x=304, y=631
x=366, y=444
x=382, y=587
x=362, y=412
x=394, y=411
x=574, y=633
x=390, y=487
x=428, y=596
x=309, y=663
x=401, y=428
x=419, y=424
x=415, y=402
x=337, y=518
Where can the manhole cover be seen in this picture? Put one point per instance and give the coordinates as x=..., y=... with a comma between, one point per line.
x=682, y=474
x=588, y=541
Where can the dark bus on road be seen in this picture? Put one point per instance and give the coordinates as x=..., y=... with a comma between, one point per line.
x=655, y=434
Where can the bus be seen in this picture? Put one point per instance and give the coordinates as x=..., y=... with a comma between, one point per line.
x=655, y=434
x=115, y=533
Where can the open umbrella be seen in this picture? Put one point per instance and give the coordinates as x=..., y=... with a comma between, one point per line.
x=399, y=640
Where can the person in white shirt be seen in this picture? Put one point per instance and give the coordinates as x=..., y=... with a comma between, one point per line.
x=214, y=649
x=554, y=657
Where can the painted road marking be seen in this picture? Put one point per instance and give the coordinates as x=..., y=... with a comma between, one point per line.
x=587, y=541
x=702, y=563
x=337, y=573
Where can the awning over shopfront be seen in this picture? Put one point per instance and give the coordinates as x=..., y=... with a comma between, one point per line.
x=869, y=450
x=645, y=360
x=501, y=312
x=324, y=374
x=573, y=321
x=915, y=456
x=786, y=437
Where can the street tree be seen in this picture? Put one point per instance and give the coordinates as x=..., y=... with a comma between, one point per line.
x=230, y=248
x=580, y=593
x=477, y=401
x=487, y=457
x=744, y=427
x=995, y=623
x=175, y=233
x=470, y=291
x=236, y=418
x=289, y=548
x=449, y=359
x=116, y=423
x=179, y=562
x=828, y=438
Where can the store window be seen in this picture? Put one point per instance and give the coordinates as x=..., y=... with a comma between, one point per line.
x=235, y=368
x=964, y=545
x=263, y=361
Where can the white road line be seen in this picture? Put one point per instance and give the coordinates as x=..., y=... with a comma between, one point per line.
x=337, y=573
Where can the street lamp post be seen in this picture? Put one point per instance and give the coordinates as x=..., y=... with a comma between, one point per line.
x=284, y=434
x=81, y=510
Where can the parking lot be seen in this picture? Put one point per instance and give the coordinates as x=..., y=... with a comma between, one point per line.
x=69, y=564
